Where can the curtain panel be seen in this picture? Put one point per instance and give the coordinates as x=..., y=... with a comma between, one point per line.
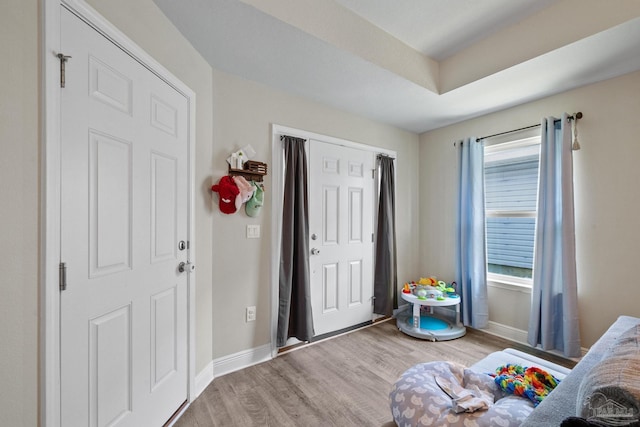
x=385, y=282
x=294, y=303
x=554, y=323
x=471, y=254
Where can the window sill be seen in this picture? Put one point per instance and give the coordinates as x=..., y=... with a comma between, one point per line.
x=508, y=285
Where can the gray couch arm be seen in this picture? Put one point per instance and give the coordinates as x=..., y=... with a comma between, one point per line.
x=561, y=402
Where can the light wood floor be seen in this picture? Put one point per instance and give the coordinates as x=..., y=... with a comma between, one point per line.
x=342, y=381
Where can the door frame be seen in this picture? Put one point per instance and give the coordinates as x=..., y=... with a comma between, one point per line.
x=277, y=198
x=50, y=206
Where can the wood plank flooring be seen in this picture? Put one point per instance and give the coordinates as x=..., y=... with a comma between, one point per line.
x=342, y=381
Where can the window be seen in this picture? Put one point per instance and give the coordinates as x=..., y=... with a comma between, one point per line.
x=511, y=188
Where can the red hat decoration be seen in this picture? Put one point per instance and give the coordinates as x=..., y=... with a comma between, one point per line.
x=227, y=192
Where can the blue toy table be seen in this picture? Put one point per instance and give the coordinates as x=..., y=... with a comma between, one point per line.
x=423, y=323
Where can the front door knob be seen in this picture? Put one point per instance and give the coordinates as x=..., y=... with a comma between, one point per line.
x=315, y=251
x=186, y=266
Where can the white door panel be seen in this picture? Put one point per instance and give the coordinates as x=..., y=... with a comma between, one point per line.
x=341, y=206
x=124, y=209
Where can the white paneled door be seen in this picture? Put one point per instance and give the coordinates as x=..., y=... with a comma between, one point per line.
x=124, y=184
x=341, y=211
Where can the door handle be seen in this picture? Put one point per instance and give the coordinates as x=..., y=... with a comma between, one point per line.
x=186, y=266
x=315, y=251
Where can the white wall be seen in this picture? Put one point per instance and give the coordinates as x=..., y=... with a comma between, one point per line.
x=19, y=213
x=243, y=114
x=606, y=176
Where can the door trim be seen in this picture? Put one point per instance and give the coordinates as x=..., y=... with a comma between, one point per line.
x=277, y=197
x=49, y=250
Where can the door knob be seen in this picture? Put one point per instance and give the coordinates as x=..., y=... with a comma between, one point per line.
x=315, y=251
x=186, y=266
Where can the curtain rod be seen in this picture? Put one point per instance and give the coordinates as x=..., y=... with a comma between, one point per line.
x=385, y=155
x=294, y=137
x=576, y=116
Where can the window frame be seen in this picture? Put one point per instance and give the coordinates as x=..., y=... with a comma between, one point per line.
x=496, y=147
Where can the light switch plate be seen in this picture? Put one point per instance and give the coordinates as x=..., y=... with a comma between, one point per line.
x=253, y=231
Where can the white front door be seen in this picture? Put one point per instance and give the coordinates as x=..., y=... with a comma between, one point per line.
x=341, y=211
x=124, y=185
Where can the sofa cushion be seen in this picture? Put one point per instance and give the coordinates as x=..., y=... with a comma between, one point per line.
x=610, y=392
x=626, y=345
x=562, y=402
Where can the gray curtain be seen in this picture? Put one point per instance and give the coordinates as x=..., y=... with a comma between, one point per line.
x=385, y=277
x=471, y=255
x=554, y=322
x=294, y=306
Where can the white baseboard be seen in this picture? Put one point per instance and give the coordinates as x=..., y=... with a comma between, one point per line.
x=203, y=379
x=231, y=363
x=243, y=359
x=505, y=331
x=520, y=336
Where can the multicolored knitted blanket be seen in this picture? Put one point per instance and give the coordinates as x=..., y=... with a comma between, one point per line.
x=532, y=383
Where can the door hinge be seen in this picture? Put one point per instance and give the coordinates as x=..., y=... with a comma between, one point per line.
x=63, y=60
x=62, y=276
x=373, y=173
x=373, y=239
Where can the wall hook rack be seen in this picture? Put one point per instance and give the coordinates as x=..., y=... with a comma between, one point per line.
x=252, y=170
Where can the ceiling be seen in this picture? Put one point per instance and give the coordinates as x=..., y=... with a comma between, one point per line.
x=441, y=28
x=415, y=64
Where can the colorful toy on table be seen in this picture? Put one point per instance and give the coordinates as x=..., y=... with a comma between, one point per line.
x=430, y=287
x=415, y=289
x=452, y=290
x=444, y=288
x=424, y=289
x=421, y=293
x=426, y=285
x=427, y=281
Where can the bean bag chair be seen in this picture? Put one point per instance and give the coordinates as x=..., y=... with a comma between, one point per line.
x=449, y=394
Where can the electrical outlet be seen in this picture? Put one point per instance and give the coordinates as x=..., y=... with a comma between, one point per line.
x=251, y=313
